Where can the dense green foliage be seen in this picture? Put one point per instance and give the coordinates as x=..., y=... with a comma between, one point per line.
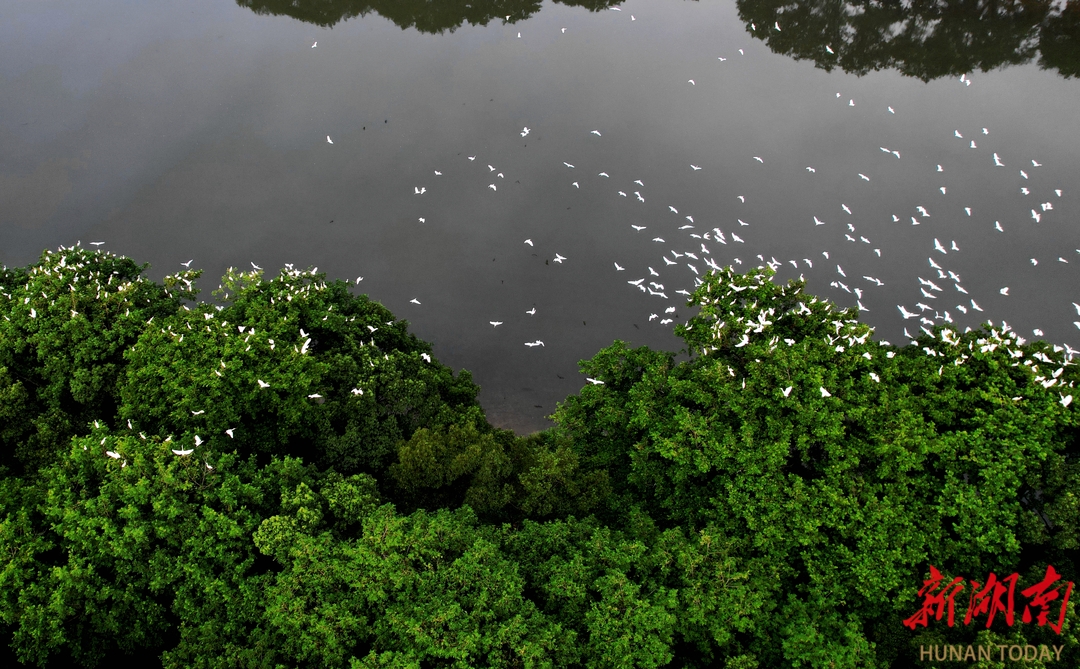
x=834, y=468
x=288, y=478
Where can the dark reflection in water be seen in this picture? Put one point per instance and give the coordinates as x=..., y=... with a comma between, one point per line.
x=922, y=39
x=926, y=39
x=423, y=15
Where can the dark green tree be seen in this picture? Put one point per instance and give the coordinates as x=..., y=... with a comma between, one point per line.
x=499, y=475
x=122, y=545
x=288, y=478
x=836, y=469
x=67, y=321
x=292, y=366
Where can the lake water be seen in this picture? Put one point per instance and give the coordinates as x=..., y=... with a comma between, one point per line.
x=199, y=130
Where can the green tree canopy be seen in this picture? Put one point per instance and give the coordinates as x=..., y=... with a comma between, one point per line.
x=287, y=477
x=288, y=366
x=838, y=468
x=67, y=321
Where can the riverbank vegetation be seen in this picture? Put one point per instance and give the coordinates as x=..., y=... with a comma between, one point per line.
x=285, y=476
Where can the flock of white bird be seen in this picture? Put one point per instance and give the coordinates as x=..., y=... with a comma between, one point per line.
x=853, y=335
x=693, y=247
x=69, y=266
x=697, y=246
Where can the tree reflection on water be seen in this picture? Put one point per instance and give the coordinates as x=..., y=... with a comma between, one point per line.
x=422, y=15
x=927, y=39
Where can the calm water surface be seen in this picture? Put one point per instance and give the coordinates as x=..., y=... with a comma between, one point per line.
x=198, y=130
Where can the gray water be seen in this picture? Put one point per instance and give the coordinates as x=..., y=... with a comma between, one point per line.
x=198, y=130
